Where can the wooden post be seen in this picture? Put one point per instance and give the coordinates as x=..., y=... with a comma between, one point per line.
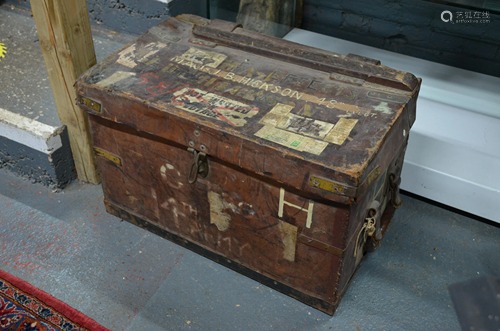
x=68, y=50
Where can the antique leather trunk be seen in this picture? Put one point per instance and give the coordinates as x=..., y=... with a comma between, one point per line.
x=277, y=160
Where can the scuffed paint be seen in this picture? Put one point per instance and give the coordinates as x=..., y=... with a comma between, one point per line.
x=217, y=215
x=383, y=107
x=163, y=172
x=131, y=197
x=241, y=204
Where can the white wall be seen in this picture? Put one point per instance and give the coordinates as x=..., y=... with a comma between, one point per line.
x=453, y=155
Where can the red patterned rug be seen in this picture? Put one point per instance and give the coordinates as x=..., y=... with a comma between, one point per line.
x=23, y=307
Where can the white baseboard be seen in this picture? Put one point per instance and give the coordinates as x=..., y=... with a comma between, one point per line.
x=453, y=157
x=35, y=151
x=36, y=135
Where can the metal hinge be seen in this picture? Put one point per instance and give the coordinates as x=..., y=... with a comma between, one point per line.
x=394, y=182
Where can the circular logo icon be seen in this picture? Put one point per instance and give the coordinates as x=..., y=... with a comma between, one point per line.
x=443, y=14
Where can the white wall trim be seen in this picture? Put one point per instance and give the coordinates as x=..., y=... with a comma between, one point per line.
x=28, y=132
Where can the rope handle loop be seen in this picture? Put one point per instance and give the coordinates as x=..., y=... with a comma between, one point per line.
x=368, y=229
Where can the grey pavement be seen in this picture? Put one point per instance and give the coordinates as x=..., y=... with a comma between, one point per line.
x=129, y=279
x=24, y=82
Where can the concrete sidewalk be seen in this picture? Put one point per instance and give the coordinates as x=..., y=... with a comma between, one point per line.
x=24, y=84
x=33, y=142
x=128, y=279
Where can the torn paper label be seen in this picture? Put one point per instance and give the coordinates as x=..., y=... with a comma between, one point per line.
x=217, y=215
x=214, y=106
x=115, y=78
x=289, y=238
x=341, y=131
x=283, y=202
x=149, y=50
x=305, y=125
x=274, y=116
x=127, y=57
x=203, y=58
x=292, y=140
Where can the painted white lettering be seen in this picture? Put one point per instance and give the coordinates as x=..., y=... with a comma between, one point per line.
x=245, y=80
x=297, y=95
x=256, y=83
x=276, y=89
x=264, y=86
x=286, y=92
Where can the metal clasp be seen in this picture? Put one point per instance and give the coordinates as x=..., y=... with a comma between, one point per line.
x=199, y=167
x=394, y=182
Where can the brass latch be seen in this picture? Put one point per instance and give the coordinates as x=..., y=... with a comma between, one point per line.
x=199, y=167
x=94, y=105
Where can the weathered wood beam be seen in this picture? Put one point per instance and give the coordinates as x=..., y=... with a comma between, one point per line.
x=68, y=50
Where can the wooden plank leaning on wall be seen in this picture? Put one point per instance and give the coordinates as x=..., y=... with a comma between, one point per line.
x=271, y=17
x=68, y=50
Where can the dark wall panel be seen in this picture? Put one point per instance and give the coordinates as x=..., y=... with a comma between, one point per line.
x=412, y=27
